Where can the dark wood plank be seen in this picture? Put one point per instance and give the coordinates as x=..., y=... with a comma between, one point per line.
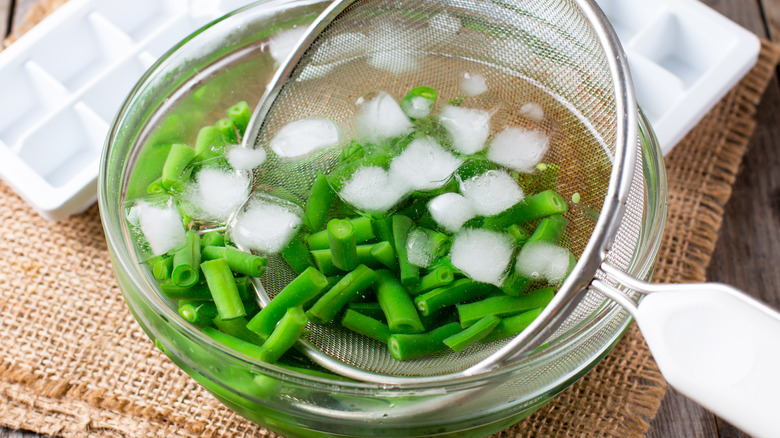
x=5, y=15
x=20, y=10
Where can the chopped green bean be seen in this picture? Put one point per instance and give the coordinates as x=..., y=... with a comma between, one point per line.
x=319, y=202
x=343, y=244
x=200, y=290
x=372, y=309
x=323, y=260
x=503, y=305
x=296, y=254
x=363, y=233
x=365, y=325
x=515, y=284
x=227, y=127
x=458, y=291
x=540, y=205
x=474, y=333
x=240, y=115
x=186, y=261
x=383, y=228
x=223, y=288
x=438, y=277
x=239, y=261
x=200, y=313
x=520, y=233
x=410, y=274
x=418, y=102
x=237, y=327
x=384, y=254
x=177, y=161
x=326, y=308
x=284, y=335
x=209, y=143
x=162, y=266
x=404, y=346
x=397, y=305
x=513, y=325
x=212, y=238
x=550, y=229
x=155, y=187
x=239, y=345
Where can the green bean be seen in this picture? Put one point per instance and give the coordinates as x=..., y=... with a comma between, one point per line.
x=209, y=143
x=343, y=244
x=411, y=108
x=239, y=261
x=228, y=129
x=410, y=274
x=520, y=233
x=513, y=325
x=550, y=229
x=155, y=187
x=397, y=305
x=323, y=260
x=200, y=313
x=237, y=327
x=365, y=325
x=298, y=292
x=319, y=202
x=284, y=335
x=384, y=254
x=540, y=205
x=223, y=288
x=162, y=266
x=383, y=228
x=457, y=292
x=212, y=238
x=186, y=261
x=404, y=346
x=473, y=334
x=503, y=305
x=438, y=277
x=363, y=233
x=372, y=309
x=296, y=254
x=240, y=115
x=200, y=290
x=515, y=284
x=176, y=163
x=241, y=346
x=326, y=308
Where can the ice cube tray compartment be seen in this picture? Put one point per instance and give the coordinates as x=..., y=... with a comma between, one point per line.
x=683, y=57
x=68, y=76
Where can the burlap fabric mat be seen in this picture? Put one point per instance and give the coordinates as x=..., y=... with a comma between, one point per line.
x=74, y=363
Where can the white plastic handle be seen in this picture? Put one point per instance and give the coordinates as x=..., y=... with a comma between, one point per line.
x=720, y=348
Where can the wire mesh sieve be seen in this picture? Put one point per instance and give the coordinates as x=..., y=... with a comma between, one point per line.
x=558, y=54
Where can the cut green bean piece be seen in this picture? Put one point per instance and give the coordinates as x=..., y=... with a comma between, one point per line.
x=515, y=284
x=176, y=163
x=241, y=346
x=513, y=325
x=228, y=130
x=372, y=309
x=397, y=305
x=209, y=143
x=199, y=291
x=479, y=330
x=239, y=261
x=319, y=203
x=330, y=304
x=503, y=305
x=200, y=313
x=366, y=325
x=439, y=277
x=162, y=266
x=223, y=288
x=550, y=229
x=409, y=346
x=212, y=238
x=418, y=102
x=237, y=327
x=284, y=335
x=520, y=233
x=298, y=292
x=186, y=261
x=363, y=233
x=540, y=205
x=410, y=274
x=383, y=228
x=296, y=254
x=323, y=260
x=240, y=115
x=383, y=253
x=458, y=291
x=155, y=187
x=343, y=244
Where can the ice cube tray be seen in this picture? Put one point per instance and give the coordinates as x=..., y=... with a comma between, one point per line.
x=62, y=83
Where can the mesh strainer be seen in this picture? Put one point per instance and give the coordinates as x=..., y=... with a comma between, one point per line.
x=560, y=54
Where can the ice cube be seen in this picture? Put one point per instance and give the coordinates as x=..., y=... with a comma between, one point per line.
x=302, y=137
x=265, y=225
x=417, y=107
x=468, y=128
x=394, y=61
x=532, y=111
x=482, y=254
x=241, y=158
x=491, y=192
x=451, y=211
x=419, y=248
x=473, y=84
x=372, y=189
x=217, y=193
x=281, y=44
x=518, y=148
x=381, y=118
x=542, y=260
x=424, y=165
x=161, y=226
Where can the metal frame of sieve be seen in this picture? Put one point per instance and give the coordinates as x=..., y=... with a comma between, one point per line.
x=625, y=184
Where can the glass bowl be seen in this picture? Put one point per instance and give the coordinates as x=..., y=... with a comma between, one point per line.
x=228, y=61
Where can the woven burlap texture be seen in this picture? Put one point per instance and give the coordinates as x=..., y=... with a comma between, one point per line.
x=74, y=363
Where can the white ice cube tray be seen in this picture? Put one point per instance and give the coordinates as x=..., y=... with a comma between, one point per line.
x=62, y=83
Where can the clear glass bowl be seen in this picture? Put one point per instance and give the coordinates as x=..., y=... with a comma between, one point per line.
x=189, y=88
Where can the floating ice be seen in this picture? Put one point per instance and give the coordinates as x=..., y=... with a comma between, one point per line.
x=491, y=192
x=419, y=248
x=265, y=226
x=217, y=193
x=372, y=189
x=542, y=260
x=481, y=254
x=161, y=226
x=417, y=107
x=281, y=44
x=451, y=211
x=424, y=165
x=518, y=149
x=302, y=137
x=392, y=47
x=532, y=111
x=394, y=61
x=468, y=128
x=241, y=158
x=381, y=118
x=473, y=84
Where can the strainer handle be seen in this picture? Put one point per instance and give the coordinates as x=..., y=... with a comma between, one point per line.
x=719, y=347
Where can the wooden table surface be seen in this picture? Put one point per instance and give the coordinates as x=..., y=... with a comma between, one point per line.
x=748, y=248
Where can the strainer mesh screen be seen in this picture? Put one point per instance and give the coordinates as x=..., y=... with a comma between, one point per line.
x=528, y=52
